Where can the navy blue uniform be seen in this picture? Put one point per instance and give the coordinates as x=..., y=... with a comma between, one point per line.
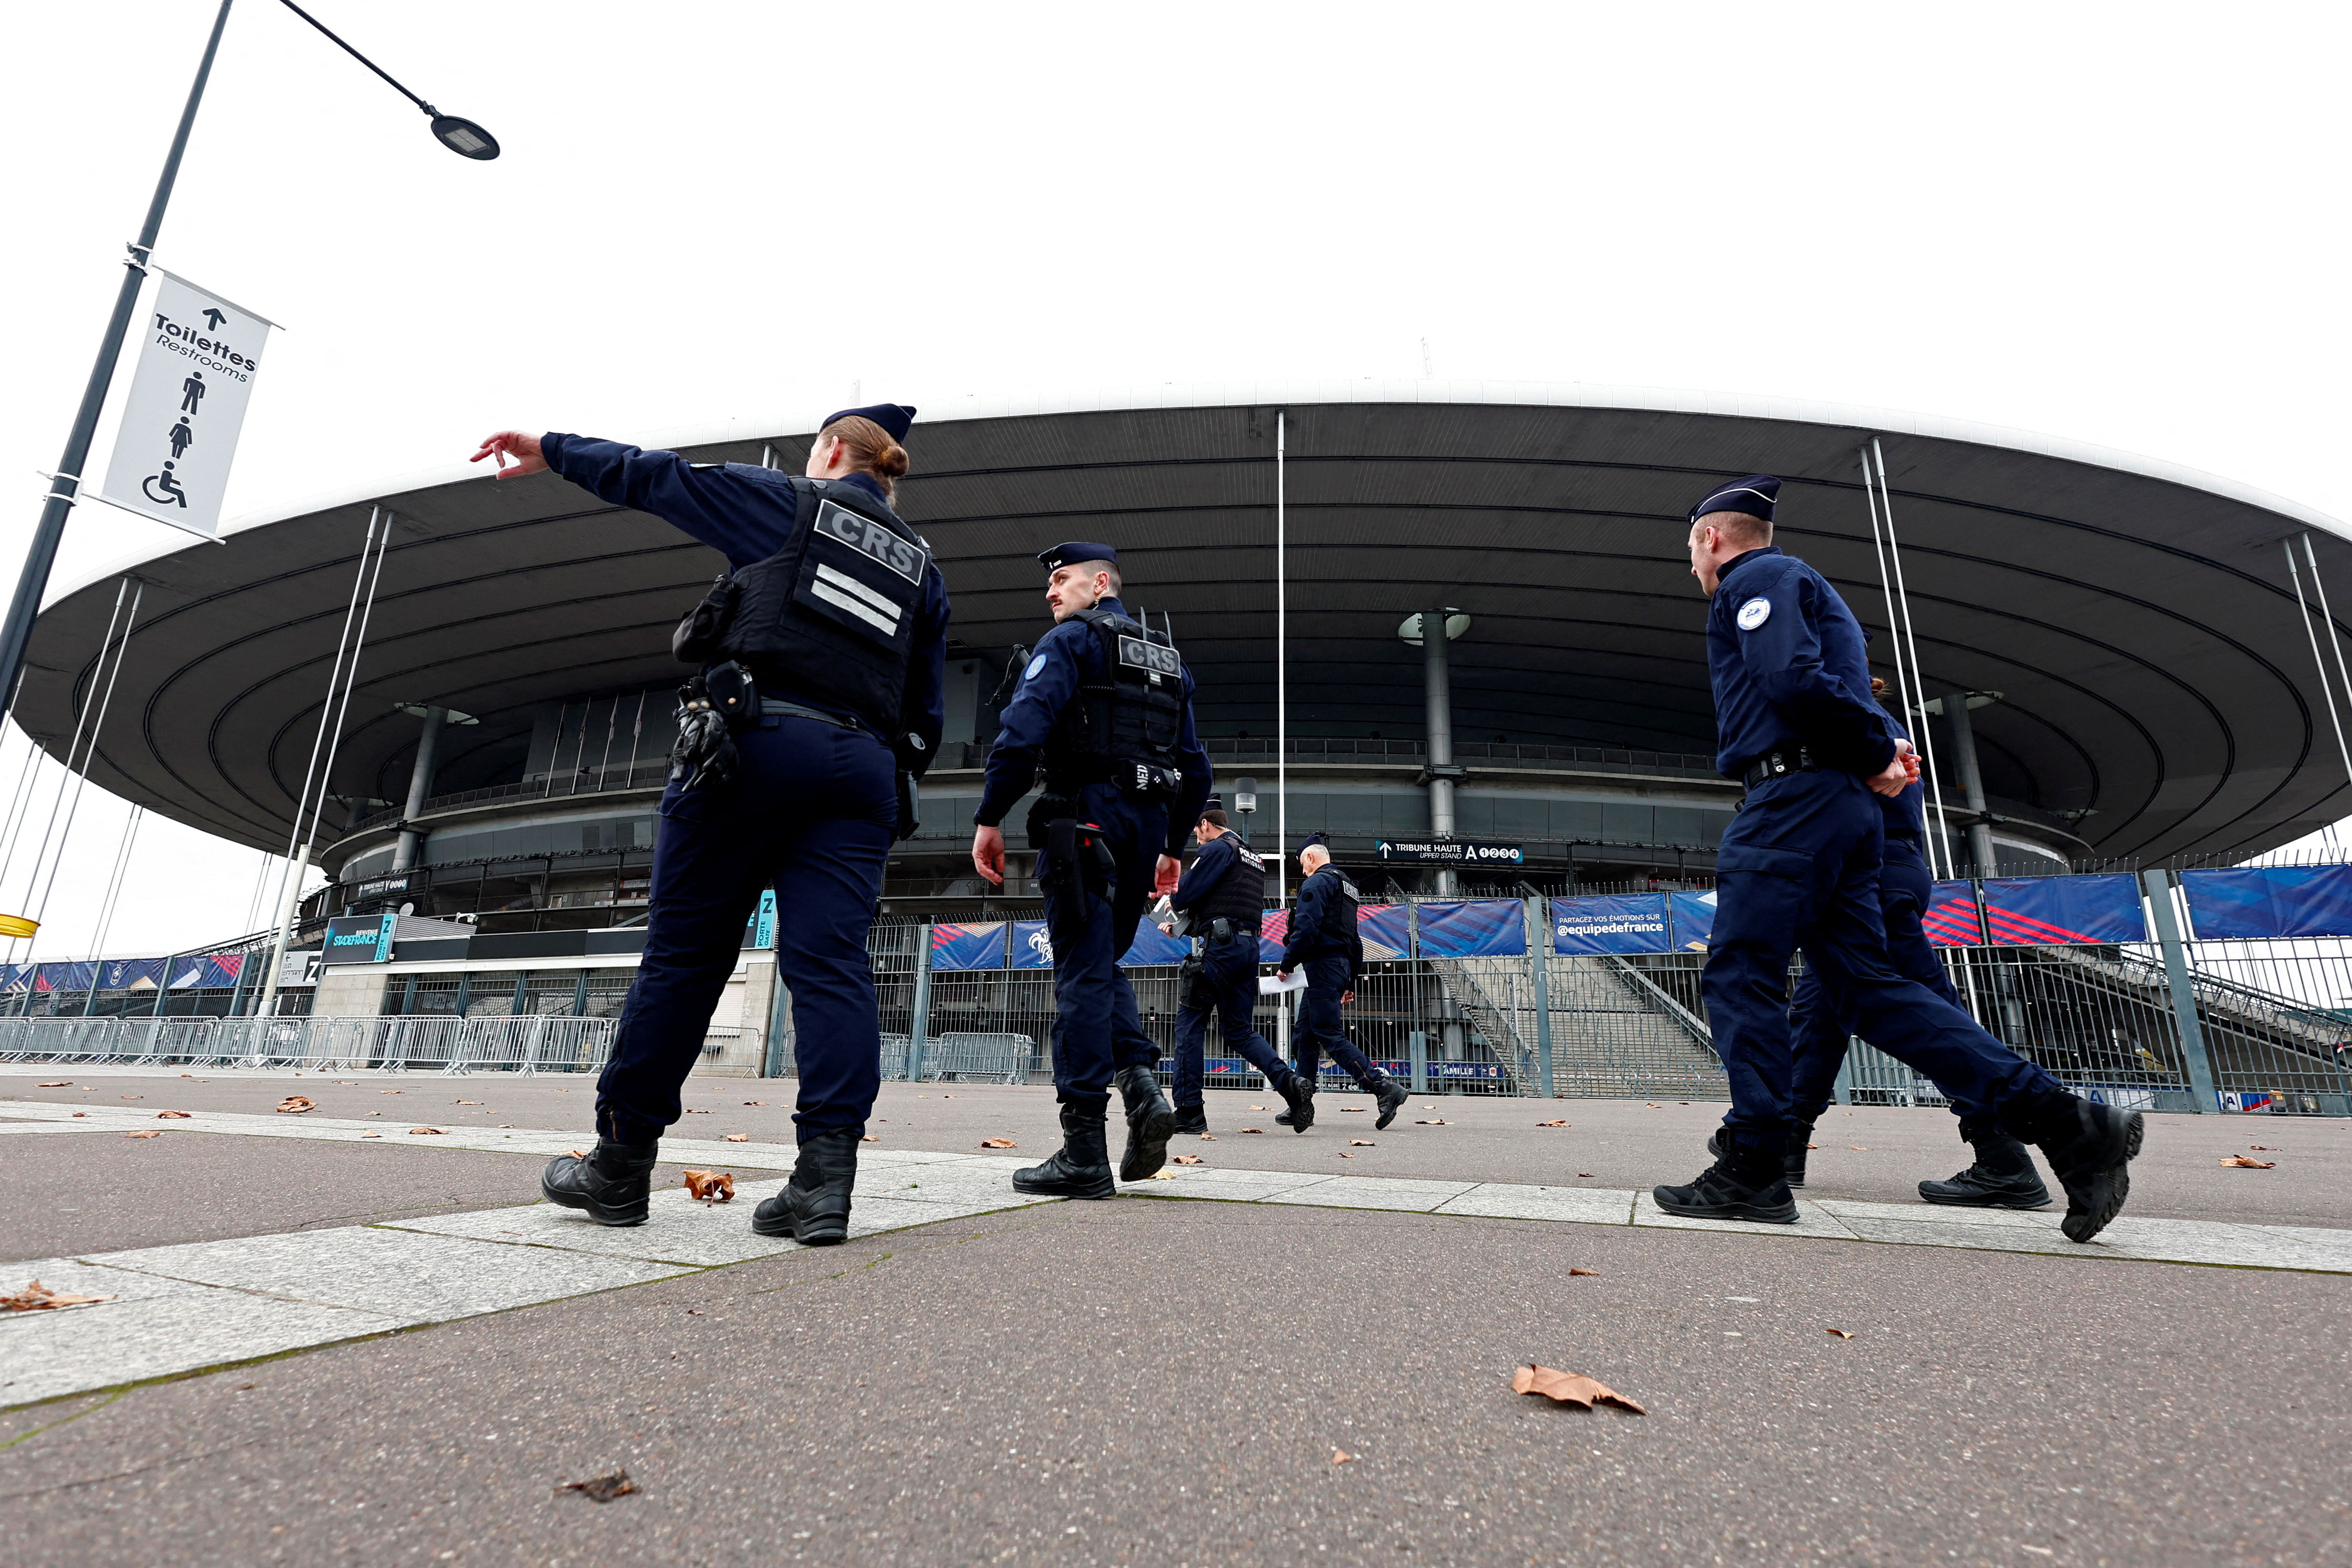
x=1800, y=865
x=1095, y=1026
x=1228, y=983
x=1331, y=963
x=810, y=812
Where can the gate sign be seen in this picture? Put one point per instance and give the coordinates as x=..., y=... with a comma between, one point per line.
x=1451, y=851
x=1625, y=923
x=198, y=358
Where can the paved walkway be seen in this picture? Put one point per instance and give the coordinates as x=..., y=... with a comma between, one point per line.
x=184, y=1308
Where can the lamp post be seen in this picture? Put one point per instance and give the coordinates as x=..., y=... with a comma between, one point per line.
x=1245, y=802
x=461, y=136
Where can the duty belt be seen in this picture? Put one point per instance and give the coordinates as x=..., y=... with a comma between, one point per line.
x=1779, y=764
x=1903, y=836
x=774, y=708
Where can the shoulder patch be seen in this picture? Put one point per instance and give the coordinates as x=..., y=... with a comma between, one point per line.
x=1754, y=613
x=1036, y=667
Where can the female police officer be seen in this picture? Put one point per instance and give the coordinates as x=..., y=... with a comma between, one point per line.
x=824, y=653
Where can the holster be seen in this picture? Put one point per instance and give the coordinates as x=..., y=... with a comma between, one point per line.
x=1221, y=929
x=1076, y=852
x=1188, y=983
x=704, y=753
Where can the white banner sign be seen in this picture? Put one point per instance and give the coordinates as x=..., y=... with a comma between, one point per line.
x=197, y=364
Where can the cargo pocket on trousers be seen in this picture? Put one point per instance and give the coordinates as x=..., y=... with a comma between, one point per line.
x=1791, y=864
x=1762, y=897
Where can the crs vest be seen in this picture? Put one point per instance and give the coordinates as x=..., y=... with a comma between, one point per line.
x=833, y=613
x=1239, y=896
x=1339, y=913
x=1132, y=711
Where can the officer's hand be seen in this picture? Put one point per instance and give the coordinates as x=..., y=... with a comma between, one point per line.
x=1346, y=996
x=1283, y=976
x=516, y=444
x=988, y=853
x=1171, y=872
x=1899, y=774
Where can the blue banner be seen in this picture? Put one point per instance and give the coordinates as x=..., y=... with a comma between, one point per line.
x=1624, y=923
x=2254, y=902
x=1387, y=930
x=1953, y=918
x=1152, y=945
x=1032, y=948
x=1693, y=920
x=1481, y=1072
x=1486, y=928
x=2025, y=912
x=978, y=944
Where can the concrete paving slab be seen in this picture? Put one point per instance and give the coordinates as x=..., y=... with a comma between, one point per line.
x=154, y=1328
x=1372, y=1192
x=1813, y=1220
x=402, y=1274
x=1975, y=1237
x=1943, y=1213
x=1574, y=1205
x=1227, y=1187
x=2245, y=1246
x=679, y=1228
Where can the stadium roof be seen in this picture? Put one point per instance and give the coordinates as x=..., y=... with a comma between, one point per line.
x=2137, y=617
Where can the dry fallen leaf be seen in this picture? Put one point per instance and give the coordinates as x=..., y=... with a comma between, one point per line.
x=691, y=1111
x=1257, y=1108
x=2262, y=1148
x=1361, y=1143
x=371, y=1134
x=1842, y=1333
x=998, y=1144
x=1353, y=1110
x=68, y=1083
x=81, y=1113
x=428, y=1132
x=1345, y=1155
x=1436, y=1122
x=711, y=1186
x=1188, y=1160
x=152, y=1133
x=1859, y=1148
x=405, y=1091
x=1341, y=1457
x=1654, y=1105
x=295, y=1104
x=868, y=1138
x=2243, y=1163
x=38, y=1297
x=1594, y=1273
x=469, y=1103
x=1208, y=1137
x=1812, y=1145
x=602, y=1488
x=173, y=1116
x=1552, y=1123
x=1163, y=1176
x=755, y=1102
x=739, y=1137
x=1569, y=1388
x=577, y=1153
x=135, y=1097
x=1253, y=1128
x=1584, y=1175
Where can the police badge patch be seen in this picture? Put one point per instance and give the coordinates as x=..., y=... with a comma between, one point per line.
x=1754, y=613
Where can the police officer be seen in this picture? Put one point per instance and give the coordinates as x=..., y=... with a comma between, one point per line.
x=1221, y=895
x=1324, y=942
x=823, y=654
x=2003, y=1176
x=1800, y=867
x=1106, y=707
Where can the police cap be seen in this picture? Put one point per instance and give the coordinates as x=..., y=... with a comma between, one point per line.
x=1313, y=841
x=1076, y=550
x=895, y=417
x=1753, y=495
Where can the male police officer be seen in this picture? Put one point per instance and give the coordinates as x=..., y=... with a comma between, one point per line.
x=1221, y=895
x=2003, y=1176
x=1106, y=708
x=1324, y=942
x=1799, y=866
x=823, y=656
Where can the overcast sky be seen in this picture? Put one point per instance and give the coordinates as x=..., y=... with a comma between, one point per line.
x=2121, y=224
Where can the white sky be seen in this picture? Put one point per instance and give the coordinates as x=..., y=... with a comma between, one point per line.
x=2122, y=223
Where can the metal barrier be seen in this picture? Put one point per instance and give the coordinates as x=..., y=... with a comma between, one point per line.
x=533, y=1043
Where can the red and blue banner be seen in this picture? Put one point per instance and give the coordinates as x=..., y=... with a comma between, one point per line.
x=1483, y=928
x=221, y=969
x=1623, y=922
x=1953, y=917
x=1273, y=931
x=973, y=944
x=2253, y=902
x=1694, y=916
x=2026, y=911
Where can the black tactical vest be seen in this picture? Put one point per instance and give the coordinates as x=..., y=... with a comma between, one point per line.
x=833, y=613
x=1133, y=710
x=1339, y=913
x=1239, y=896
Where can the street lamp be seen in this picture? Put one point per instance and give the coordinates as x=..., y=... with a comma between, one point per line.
x=1245, y=802
x=460, y=136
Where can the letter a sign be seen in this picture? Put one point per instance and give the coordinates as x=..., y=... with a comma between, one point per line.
x=198, y=359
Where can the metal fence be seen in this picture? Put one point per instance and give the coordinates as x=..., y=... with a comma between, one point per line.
x=428, y=1043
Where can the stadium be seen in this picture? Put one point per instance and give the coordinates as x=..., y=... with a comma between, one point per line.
x=2116, y=658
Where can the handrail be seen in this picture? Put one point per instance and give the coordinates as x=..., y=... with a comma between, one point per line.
x=1693, y=1026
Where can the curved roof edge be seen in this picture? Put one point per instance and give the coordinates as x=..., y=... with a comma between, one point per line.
x=1243, y=395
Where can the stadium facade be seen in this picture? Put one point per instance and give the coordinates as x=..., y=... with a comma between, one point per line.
x=2130, y=660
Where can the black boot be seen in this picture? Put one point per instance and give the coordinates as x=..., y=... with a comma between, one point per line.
x=2091, y=1147
x=1081, y=1167
x=1150, y=1122
x=2003, y=1177
x=1741, y=1185
x=612, y=1183
x=1301, y=1096
x=1792, y=1155
x=1392, y=1096
x=814, y=1207
x=1192, y=1119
